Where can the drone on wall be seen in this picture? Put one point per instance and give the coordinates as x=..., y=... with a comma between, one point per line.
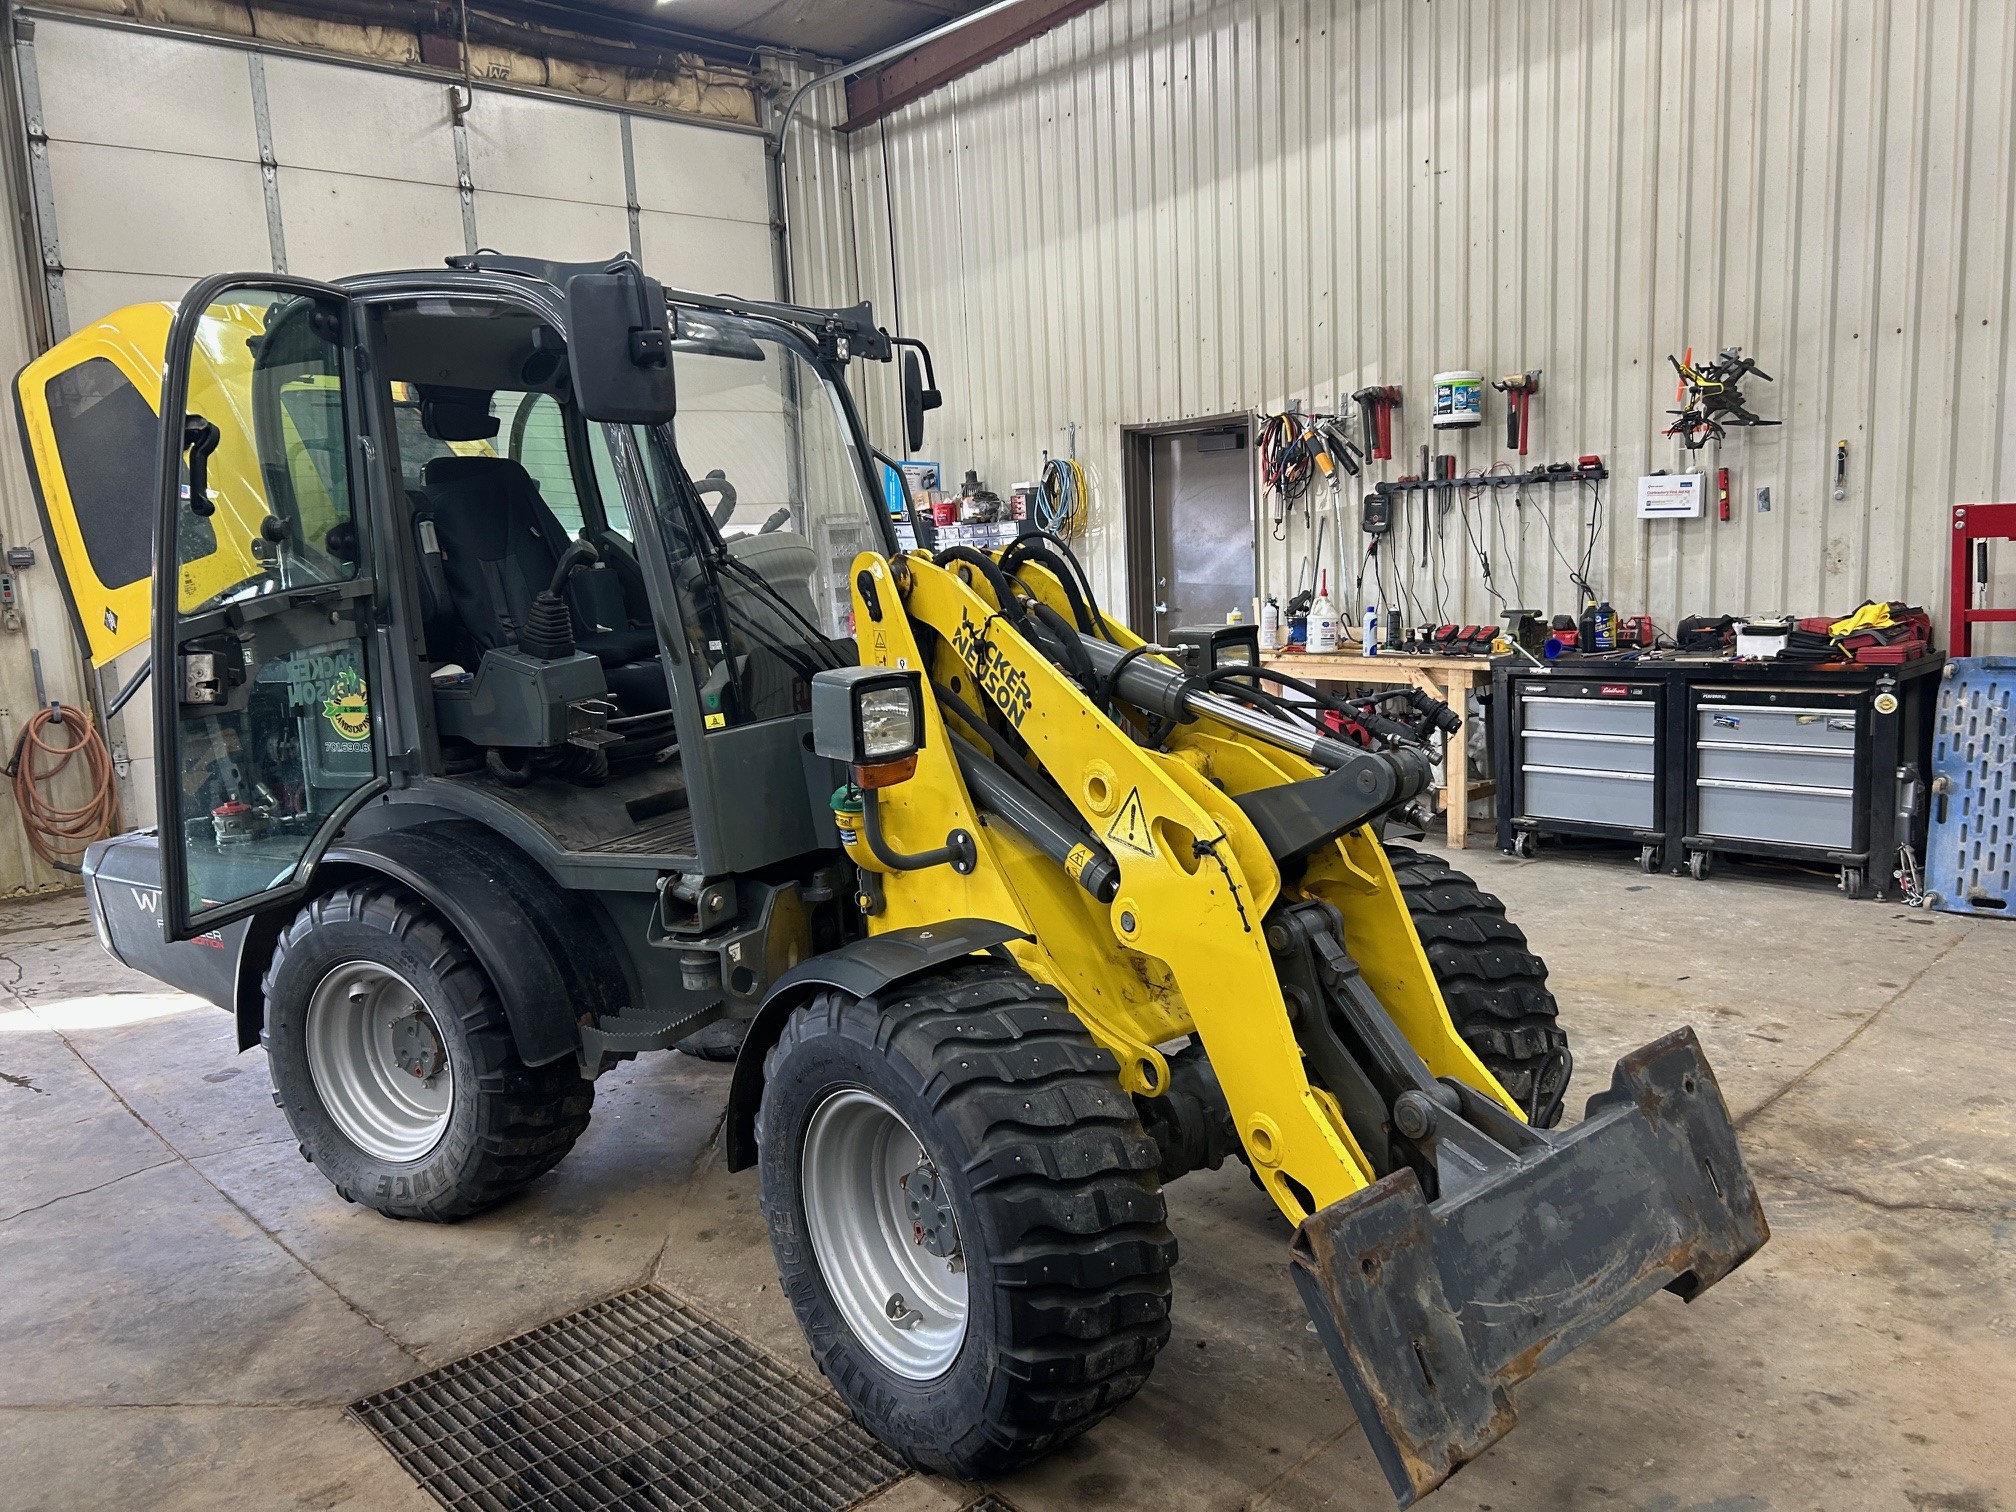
x=1713, y=397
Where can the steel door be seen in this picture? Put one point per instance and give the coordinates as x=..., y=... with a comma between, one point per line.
x=1200, y=496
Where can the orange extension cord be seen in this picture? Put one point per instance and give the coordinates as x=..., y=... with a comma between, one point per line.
x=61, y=835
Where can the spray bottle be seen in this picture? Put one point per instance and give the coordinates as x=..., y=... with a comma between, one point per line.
x=1322, y=618
x=1371, y=646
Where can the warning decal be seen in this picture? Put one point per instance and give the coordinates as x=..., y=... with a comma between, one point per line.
x=1130, y=826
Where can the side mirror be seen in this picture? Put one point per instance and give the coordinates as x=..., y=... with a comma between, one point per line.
x=918, y=395
x=619, y=347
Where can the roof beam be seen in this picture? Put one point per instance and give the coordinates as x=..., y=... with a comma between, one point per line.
x=873, y=95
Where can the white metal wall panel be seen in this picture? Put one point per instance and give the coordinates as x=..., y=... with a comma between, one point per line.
x=134, y=89
x=717, y=174
x=1163, y=210
x=709, y=256
x=359, y=122
x=367, y=168
x=339, y=223
x=545, y=149
x=704, y=219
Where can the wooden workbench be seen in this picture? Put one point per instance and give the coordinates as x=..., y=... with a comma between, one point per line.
x=1449, y=678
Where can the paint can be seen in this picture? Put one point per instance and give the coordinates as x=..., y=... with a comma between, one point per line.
x=1459, y=400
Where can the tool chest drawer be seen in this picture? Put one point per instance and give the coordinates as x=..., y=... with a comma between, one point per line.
x=1589, y=716
x=1817, y=726
x=1814, y=768
x=1823, y=818
x=1627, y=800
x=1612, y=753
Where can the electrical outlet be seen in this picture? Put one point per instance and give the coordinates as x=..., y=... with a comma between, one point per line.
x=1764, y=501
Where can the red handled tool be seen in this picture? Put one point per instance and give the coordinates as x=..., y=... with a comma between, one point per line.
x=1376, y=406
x=1722, y=494
x=1518, y=389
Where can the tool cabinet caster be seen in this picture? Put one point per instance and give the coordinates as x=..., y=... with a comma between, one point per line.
x=1525, y=845
x=1853, y=881
x=1648, y=859
x=1699, y=865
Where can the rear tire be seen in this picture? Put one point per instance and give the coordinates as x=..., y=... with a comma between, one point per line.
x=442, y=1147
x=1048, y=1299
x=1494, y=986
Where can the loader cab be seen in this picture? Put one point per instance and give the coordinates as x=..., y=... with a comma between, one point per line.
x=408, y=567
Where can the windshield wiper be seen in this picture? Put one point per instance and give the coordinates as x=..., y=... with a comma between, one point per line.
x=776, y=599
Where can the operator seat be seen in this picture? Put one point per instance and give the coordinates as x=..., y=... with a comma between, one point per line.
x=499, y=544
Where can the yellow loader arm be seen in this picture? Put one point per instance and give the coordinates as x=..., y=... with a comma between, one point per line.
x=1186, y=865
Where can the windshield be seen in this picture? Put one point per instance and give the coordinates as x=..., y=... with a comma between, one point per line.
x=762, y=449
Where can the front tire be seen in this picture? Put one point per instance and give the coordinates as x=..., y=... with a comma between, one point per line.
x=393, y=1061
x=1494, y=986
x=959, y=1143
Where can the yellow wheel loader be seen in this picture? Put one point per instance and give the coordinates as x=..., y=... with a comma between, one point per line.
x=539, y=679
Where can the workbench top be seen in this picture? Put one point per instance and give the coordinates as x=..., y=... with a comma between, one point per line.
x=1343, y=664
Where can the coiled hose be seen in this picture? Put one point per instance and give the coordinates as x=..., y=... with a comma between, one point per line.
x=57, y=834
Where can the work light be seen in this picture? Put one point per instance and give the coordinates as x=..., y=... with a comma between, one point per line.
x=871, y=718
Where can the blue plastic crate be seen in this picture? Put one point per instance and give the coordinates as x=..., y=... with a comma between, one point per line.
x=1970, y=856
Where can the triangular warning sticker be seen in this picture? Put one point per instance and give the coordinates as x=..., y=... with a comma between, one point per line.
x=1130, y=826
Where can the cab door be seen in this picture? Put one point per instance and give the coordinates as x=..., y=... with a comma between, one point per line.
x=268, y=724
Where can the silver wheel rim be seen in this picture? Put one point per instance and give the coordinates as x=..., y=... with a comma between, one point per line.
x=905, y=1303
x=382, y=1107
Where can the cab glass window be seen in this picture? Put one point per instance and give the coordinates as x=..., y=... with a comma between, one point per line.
x=266, y=371
x=532, y=431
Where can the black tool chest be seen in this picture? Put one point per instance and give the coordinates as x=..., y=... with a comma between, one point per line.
x=1691, y=759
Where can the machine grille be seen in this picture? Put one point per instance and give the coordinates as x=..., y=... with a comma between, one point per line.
x=637, y=1401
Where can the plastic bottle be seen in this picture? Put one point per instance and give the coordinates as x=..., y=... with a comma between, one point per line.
x=1235, y=615
x=1371, y=646
x=1322, y=618
x=1609, y=627
x=1270, y=626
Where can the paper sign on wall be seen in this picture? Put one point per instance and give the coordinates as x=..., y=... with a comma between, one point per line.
x=1670, y=496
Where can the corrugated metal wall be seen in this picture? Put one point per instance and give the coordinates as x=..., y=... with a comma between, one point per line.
x=1159, y=211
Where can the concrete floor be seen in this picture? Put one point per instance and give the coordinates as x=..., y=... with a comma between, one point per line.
x=185, y=1306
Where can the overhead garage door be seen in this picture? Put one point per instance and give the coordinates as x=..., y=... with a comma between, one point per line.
x=159, y=151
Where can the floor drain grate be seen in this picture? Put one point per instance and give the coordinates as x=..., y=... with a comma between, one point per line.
x=634, y=1402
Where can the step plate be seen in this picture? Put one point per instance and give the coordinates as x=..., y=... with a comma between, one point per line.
x=1433, y=1312
x=636, y=1401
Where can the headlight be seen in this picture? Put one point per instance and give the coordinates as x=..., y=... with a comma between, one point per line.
x=888, y=723
x=868, y=716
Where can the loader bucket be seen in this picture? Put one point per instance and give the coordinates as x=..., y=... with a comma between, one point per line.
x=1434, y=1311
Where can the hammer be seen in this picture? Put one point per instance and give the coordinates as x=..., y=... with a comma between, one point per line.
x=1518, y=389
x=1375, y=406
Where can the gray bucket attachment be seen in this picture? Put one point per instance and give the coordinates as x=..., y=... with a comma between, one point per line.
x=1434, y=1311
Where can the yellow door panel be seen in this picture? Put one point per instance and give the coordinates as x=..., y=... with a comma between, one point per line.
x=89, y=409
